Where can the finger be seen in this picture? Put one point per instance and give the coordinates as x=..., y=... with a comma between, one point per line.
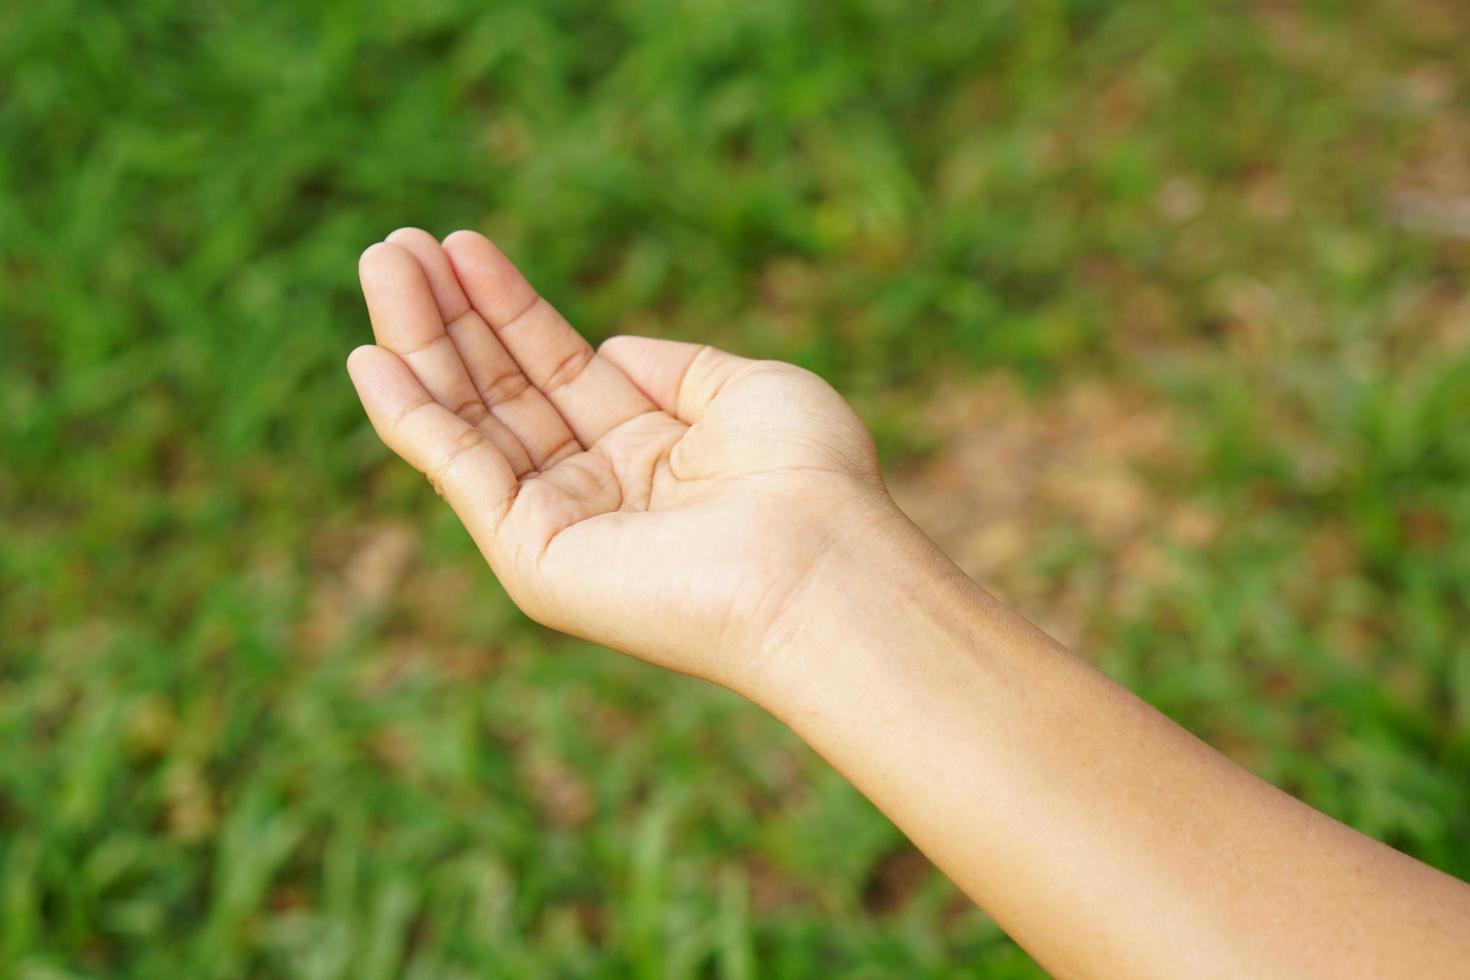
x=448, y=297
x=459, y=460
x=502, y=387
x=680, y=378
x=406, y=321
x=589, y=392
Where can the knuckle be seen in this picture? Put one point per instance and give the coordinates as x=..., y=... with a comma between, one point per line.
x=570, y=367
x=472, y=411
x=564, y=449
x=405, y=414
x=507, y=387
x=465, y=442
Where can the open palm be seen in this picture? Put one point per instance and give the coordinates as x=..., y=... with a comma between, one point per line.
x=663, y=498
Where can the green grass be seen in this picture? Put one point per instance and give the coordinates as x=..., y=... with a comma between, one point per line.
x=251, y=726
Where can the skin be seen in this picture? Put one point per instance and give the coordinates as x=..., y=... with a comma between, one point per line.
x=726, y=518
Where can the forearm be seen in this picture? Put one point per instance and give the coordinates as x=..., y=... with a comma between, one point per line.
x=1103, y=837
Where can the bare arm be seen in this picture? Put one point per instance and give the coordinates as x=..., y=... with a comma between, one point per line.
x=726, y=518
x=1104, y=838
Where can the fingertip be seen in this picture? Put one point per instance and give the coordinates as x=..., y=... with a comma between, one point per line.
x=435, y=263
x=464, y=236
x=372, y=252
x=466, y=247
x=629, y=345
x=490, y=279
x=615, y=343
x=365, y=364
x=359, y=356
x=370, y=358
x=408, y=236
x=379, y=257
x=382, y=379
x=627, y=351
x=630, y=350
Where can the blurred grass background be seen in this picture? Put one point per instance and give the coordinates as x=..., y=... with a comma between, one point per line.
x=1186, y=281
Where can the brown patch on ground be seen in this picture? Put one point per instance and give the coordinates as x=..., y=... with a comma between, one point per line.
x=582, y=921
x=1013, y=476
x=393, y=748
x=191, y=809
x=375, y=574
x=561, y=793
x=772, y=889
x=357, y=577
x=894, y=879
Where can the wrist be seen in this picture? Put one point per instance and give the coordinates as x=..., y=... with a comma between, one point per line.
x=879, y=589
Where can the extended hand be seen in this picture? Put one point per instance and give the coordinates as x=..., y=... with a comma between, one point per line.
x=706, y=512
x=667, y=499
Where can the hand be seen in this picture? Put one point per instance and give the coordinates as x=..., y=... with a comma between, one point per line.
x=666, y=499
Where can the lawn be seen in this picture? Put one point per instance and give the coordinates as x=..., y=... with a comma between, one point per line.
x=1160, y=311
